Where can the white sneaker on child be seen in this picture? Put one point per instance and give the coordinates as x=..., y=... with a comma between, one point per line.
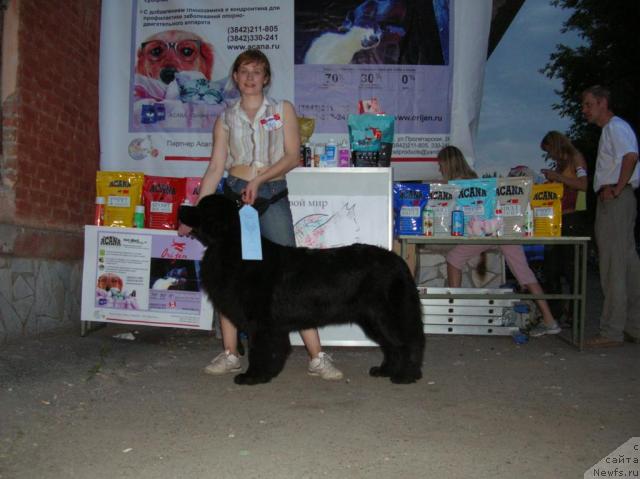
x=323, y=366
x=223, y=363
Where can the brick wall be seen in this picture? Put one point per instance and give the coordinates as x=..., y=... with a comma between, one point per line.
x=49, y=157
x=53, y=125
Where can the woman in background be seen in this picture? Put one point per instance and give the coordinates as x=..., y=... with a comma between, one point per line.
x=453, y=165
x=570, y=169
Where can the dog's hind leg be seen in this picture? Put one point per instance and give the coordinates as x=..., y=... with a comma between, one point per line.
x=268, y=351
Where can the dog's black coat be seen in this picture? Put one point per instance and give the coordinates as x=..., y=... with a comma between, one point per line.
x=300, y=288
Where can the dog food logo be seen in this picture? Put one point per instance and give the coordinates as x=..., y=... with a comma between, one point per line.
x=545, y=195
x=110, y=241
x=441, y=195
x=120, y=184
x=473, y=192
x=175, y=250
x=508, y=190
x=165, y=188
x=410, y=195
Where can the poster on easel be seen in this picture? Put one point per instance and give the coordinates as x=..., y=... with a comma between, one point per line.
x=143, y=277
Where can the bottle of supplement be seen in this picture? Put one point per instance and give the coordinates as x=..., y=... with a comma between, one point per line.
x=344, y=155
x=499, y=220
x=457, y=223
x=428, y=219
x=98, y=218
x=318, y=156
x=138, y=217
x=331, y=154
x=528, y=221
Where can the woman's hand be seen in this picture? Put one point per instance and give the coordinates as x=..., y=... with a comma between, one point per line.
x=184, y=230
x=250, y=192
x=552, y=175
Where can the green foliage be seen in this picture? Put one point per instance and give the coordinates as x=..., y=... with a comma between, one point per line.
x=609, y=56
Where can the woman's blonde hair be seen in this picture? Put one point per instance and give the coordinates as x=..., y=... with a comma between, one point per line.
x=454, y=165
x=560, y=149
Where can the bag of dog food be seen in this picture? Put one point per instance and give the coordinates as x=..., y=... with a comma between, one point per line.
x=192, y=189
x=371, y=138
x=442, y=200
x=513, y=195
x=409, y=201
x=546, y=203
x=121, y=191
x=477, y=200
x=162, y=199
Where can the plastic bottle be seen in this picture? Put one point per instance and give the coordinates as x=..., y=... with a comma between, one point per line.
x=138, y=217
x=331, y=154
x=98, y=218
x=344, y=154
x=318, y=156
x=528, y=221
x=499, y=220
x=308, y=154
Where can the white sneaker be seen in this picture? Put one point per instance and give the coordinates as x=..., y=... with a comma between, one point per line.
x=223, y=363
x=323, y=366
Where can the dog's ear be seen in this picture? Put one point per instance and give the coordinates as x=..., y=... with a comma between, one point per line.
x=189, y=215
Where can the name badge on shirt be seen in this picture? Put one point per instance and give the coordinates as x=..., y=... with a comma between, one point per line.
x=250, y=233
x=272, y=122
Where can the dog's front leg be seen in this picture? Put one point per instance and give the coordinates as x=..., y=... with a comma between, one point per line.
x=268, y=351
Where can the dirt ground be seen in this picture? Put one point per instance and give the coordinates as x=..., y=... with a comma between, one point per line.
x=102, y=407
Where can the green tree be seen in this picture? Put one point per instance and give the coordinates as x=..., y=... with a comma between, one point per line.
x=609, y=55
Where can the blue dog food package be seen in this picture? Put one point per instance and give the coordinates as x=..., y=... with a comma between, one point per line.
x=477, y=200
x=409, y=201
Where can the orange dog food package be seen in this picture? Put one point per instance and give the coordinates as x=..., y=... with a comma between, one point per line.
x=121, y=191
x=546, y=203
x=162, y=198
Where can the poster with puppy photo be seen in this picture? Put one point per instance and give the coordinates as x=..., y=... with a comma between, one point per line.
x=144, y=277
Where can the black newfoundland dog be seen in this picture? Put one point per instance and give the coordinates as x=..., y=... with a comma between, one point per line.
x=301, y=288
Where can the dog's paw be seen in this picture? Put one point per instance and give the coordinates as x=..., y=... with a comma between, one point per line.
x=406, y=378
x=250, y=380
x=378, y=372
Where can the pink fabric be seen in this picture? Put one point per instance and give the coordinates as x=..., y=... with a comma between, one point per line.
x=513, y=254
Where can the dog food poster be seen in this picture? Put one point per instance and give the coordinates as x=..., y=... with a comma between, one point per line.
x=148, y=272
x=174, y=278
x=394, y=52
x=122, y=271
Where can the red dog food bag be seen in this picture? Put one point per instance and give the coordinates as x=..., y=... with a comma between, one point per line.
x=162, y=197
x=192, y=189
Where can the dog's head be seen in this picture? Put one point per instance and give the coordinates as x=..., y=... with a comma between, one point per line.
x=164, y=54
x=214, y=217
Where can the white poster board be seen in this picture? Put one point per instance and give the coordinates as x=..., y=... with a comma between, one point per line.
x=143, y=277
x=336, y=207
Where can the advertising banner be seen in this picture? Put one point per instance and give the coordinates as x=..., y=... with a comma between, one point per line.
x=146, y=277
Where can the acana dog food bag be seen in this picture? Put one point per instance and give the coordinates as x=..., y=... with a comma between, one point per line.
x=162, y=199
x=546, y=203
x=409, y=201
x=513, y=195
x=477, y=199
x=442, y=201
x=192, y=189
x=122, y=191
